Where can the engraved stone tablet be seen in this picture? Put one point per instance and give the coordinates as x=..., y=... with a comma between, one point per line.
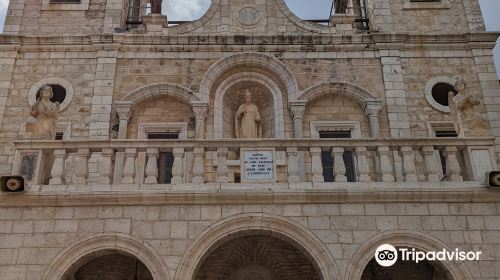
x=258, y=166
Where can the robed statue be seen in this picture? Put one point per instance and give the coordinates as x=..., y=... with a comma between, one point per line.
x=466, y=118
x=247, y=119
x=44, y=114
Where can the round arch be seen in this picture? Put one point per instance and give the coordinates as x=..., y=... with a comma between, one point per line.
x=164, y=89
x=95, y=246
x=251, y=224
x=357, y=93
x=402, y=238
x=244, y=60
x=279, y=130
x=193, y=25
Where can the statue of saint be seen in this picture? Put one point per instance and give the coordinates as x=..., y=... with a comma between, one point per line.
x=247, y=119
x=44, y=114
x=467, y=120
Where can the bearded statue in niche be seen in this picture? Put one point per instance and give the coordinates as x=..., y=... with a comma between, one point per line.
x=247, y=119
x=44, y=114
x=467, y=120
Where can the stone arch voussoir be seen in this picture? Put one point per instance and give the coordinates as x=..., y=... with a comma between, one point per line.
x=164, y=89
x=403, y=238
x=357, y=93
x=98, y=245
x=257, y=223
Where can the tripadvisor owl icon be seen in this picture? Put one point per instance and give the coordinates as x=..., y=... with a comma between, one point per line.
x=386, y=255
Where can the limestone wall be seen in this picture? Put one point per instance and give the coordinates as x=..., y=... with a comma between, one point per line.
x=32, y=237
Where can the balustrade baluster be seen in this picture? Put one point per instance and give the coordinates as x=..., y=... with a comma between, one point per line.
x=432, y=166
x=316, y=165
x=222, y=169
x=152, y=166
x=106, y=168
x=81, y=166
x=453, y=169
x=293, y=167
x=57, y=171
x=129, y=166
x=198, y=166
x=363, y=170
x=339, y=164
x=386, y=169
x=178, y=166
x=410, y=171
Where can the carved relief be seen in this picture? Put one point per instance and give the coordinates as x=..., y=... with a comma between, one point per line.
x=467, y=120
x=44, y=114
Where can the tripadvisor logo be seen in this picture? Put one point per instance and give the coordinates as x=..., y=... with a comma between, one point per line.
x=387, y=255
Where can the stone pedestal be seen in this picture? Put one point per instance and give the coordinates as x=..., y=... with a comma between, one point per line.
x=343, y=22
x=154, y=22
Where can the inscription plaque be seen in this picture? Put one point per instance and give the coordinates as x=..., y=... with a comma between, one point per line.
x=258, y=165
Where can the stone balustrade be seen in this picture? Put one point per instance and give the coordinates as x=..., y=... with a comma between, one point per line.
x=128, y=162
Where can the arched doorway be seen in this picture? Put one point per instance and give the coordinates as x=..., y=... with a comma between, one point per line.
x=423, y=270
x=111, y=266
x=256, y=257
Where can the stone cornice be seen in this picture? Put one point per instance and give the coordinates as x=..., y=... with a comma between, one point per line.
x=380, y=39
x=149, y=195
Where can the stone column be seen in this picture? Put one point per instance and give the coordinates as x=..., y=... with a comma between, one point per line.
x=339, y=164
x=178, y=166
x=100, y=113
x=198, y=166
x=57, y=171
x=372, y=111
x=297, y=110
x=316, y=165
x=152, y=166
x=386, y=169
x=124, y=111
x=129, y=166
x=397, y=109
x=81, y=164
x=200, y=111
x=363, y=169
x=222, y=170
x=433, y=168
x=105, y=168
x=410, y=171
x=293, y=172
x=453, y=169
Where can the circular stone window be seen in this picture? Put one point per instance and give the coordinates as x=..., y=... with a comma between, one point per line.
x=59, y=93
x=62, y=89
x=436, y=93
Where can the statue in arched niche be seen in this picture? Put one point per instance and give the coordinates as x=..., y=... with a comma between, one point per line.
x=467, y=120
x=44, y=114
x=247, y=119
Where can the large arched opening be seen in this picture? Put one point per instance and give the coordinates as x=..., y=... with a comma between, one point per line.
x=257, y=244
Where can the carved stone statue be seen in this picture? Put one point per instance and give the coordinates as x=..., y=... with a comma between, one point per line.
x=467, y=120
x=44, y=114
x=247, y=119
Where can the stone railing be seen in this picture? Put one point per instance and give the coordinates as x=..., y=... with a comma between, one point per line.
x=223, y=161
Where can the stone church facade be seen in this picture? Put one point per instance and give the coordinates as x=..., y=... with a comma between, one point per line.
x=133, y=169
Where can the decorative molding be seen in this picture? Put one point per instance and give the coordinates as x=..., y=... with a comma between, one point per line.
x=421, y=5
x=353, y=126
x=82, y=6
x=176, y=127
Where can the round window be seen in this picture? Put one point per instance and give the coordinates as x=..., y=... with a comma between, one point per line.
x=59, y=93
x=440, y=93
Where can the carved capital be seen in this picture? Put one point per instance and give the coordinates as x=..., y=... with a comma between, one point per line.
x=200, y=111
x=372, y=108
x=124, y=110
x=297, y=110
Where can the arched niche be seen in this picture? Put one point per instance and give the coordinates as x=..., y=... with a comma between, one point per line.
x=257, y=224
x=82, y=252
x=248, y=62
x=266, y=95
x=454, y=270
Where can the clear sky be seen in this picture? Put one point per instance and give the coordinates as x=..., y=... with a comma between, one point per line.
x=193, y=9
